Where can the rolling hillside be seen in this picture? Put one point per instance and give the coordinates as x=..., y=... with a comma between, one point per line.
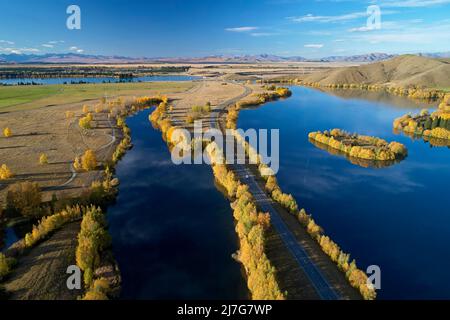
x=400, y=71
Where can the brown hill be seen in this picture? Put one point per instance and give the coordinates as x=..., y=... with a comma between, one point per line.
x=400, y=71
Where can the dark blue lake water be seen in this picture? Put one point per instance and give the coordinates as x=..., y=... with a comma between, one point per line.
x=396, y=217
x=173, y=232
x=96, y=79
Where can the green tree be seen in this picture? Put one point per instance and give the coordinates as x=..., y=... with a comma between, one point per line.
x=428, y=123
x=435, y=123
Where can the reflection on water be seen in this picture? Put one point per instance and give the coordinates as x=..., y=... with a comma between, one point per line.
x=379, y=96
x=435, y=142
x=365, y=163
x=173, y=232
x=395, y=217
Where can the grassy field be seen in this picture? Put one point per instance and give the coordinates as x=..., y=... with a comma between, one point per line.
x=14, y=98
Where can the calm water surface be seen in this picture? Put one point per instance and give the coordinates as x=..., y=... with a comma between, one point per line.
x=173, y=232
x=396, y=217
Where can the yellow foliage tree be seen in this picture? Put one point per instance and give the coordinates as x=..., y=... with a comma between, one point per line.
x=77, y=163
x=85, y=109
x=89, y=160
x=5, y=173
x=7, y=132
x=43, y=159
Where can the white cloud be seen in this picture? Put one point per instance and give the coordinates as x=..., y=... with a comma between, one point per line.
x=415, y=35
x=314, y=46
x=19, y=50
x=412, y=3
x=344, y=17
x=241, y=29
x=47, y=45
x=7, y=42
x=76, y=49
x=334, y=19
x=360, y=29
x=263, y=34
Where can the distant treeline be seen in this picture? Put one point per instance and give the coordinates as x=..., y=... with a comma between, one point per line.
x=86, y=71
x=413, y=92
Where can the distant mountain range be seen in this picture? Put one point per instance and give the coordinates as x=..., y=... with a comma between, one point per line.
x=53, y=58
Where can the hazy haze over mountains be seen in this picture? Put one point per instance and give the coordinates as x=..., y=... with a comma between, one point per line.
x=93, y=59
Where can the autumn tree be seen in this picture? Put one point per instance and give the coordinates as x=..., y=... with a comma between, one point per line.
x=43, y=159
x=7, y=132
x=77, y=163
x=85, y=122
x=5, y=172
x=85, y=109
x=24, y=198
x=89, y=160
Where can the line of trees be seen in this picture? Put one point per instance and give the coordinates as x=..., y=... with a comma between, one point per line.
x=251, y=227
x=50, y=224
x=412, y=92
x=93, y=239
x=356, y=277
x=274, y=93
x=360, y=146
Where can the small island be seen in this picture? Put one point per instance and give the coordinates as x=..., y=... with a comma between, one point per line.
x=359, y=146
x=435, y=125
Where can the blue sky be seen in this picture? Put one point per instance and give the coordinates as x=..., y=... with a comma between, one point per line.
x=310, y=28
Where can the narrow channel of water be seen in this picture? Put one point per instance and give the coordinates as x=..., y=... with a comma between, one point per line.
x=396, y=217
x=173, y=232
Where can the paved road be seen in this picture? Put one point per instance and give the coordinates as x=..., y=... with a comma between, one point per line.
x=319, y=282
x=323, y=288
